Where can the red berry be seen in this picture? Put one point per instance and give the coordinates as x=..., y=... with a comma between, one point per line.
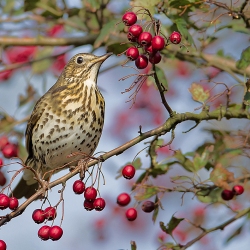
x=145, y=38
x=123, y=199
x=88, y=205
x=131, y=214
x=238, y=189
x=1, y=162
x=4, y=141
x=148, y=206
x=150, y=50
x=155, y=58
x=129, y=18
x=175, y=37
x=3, y=245
x=2, y=179
x=4, y=201
x=10, y=151
x=78, y=187
x=90, y=193
x=132, y=53
x=43, y=232
x=227, y=195
x=141, y=62
x=50, y=213
x=135, y=30
x=158, y=43
x=13, y=205
x=55, y=233
x=38, y=216
x=99, y=204
x=128, y=172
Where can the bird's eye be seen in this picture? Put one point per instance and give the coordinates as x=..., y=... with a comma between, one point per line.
x=79, y=60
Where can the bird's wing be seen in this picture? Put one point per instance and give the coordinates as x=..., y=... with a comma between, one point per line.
x=37, y=112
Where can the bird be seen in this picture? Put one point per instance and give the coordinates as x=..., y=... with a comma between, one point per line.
x=68, y=118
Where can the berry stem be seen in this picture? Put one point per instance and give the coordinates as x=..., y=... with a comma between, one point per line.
x=161, y=90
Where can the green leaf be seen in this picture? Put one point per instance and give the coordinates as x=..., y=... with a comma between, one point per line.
x=117, y=48
x=182, y=27
x=235, y=233
x=92, y=5
x=162, y=77
x=246, y=99
x=208, y=196
x=184, y=161
x=146, y=193
x=133, y=245
x=156, y=210
x=105, y=33
x=147, y=4
x=30, y=4
x=41, y=66
x=244, y=61
x=172, y=224
x=199, y=94
x=9, y=6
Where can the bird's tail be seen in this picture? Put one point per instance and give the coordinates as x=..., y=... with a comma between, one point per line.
x=24, y=190
x=27, y=186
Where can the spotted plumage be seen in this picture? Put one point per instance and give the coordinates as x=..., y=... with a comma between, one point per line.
x=68, y=118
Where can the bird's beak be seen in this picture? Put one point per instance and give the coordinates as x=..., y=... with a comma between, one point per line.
x=101, y=59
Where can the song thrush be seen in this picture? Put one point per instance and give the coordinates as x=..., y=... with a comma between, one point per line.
x=68, y=118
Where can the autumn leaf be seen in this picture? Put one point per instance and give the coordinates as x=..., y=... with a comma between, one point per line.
x=199, y=94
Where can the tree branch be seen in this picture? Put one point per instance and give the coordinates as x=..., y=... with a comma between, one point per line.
x=171, y=122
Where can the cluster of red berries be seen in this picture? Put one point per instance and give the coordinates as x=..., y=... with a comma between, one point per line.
x=150, y=45
x=8, y=202
x=124, y=199
x=90, y=193
x=47, y=232
x=229, y=194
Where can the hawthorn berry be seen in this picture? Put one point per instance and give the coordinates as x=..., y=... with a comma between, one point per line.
x=99, y=204
x=227, y=195
x=148, y=206
x=4, y=201
x=10, y=150
x=90, y=193
x=129, y=18
x=1, y=162
x=132, y=53
x=88, y=205
x=43, y=232
x=38, y=216
x=50, y=213
x=55, y=233
x=128, y=172
x=78, y=187
x=141, y=62
x=175, y=37
x=123, y=199
x=3, y=245
x=155, y=58
x=150, y=50
x=13, y=204
x=131, y=214
x=238, y=189
x=158, y=43
x=145, y=38
x=135, y=30
x=4, y=141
